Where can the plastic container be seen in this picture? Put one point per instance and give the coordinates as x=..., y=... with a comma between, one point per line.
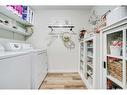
x=115, y=50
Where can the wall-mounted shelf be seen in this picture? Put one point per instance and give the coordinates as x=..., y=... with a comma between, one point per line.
x=10, y=14
x=62, y=26
x=10, y=29
x=56, y=34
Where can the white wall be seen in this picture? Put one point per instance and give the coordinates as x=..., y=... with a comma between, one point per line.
x=101, y=10
x=60, y=58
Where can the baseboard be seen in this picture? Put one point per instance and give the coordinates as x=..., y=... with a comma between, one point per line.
x=61, y=71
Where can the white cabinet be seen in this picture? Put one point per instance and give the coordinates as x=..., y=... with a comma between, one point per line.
x=39, y=68
x=15, y=72
x=114, y=47
x=81, y=65
x=115, y=57
x=91, y=69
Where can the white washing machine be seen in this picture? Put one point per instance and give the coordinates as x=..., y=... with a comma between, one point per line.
x=35, y=58
x=39, y=61
x=15, y=69
x=39, y=67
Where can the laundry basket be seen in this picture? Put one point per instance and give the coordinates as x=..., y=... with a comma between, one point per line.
x=115, y=50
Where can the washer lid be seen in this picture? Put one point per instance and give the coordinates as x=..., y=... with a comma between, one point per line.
x=26, y=46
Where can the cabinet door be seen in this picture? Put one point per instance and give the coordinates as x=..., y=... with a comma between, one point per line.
x=15, y=73
x=113, y=57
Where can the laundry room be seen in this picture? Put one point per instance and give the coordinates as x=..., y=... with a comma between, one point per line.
x=63, y=47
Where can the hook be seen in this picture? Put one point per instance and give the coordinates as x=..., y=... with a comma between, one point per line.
x=51, y=29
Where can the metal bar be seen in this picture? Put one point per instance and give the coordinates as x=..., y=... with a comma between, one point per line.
x=60, y=26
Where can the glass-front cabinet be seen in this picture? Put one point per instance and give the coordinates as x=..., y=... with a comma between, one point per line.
x=91, y=62
x=81, y=56
x=114, y=43
x=115, y=56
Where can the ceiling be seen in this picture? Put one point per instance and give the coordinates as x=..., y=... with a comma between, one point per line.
x=61, y=7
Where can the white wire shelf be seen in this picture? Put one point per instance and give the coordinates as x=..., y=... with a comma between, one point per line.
x=10, y=14
x=10, y=29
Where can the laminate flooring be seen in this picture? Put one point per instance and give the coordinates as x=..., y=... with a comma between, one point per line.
x=63, y=81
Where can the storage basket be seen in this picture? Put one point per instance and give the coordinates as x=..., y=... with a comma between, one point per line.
x=115, y=70
x=119, y=78
x=118, y=71
x=115, y=50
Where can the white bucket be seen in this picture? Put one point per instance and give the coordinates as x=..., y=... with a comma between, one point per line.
x=115, y=50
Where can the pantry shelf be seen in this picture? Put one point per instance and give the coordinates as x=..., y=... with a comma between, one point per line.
x=8, y=13
x=119, y=57
x=91, y=60
x=115, y=80
x=10, y=29
x=89, y=73
x=90, y=56
x=81, y=41
x=89, y=47
x=90, y=65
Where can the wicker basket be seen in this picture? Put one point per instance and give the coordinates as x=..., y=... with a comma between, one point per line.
x=115, y=70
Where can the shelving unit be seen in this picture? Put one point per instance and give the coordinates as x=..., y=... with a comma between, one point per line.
x=115, y=55
x=89, y=60
x=10, y=29
x=115, y=62
x=115, y=80
x=91, y=73
x=8, y=13
x=81, y=56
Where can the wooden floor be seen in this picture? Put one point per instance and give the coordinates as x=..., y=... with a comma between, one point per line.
x=63, y=81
